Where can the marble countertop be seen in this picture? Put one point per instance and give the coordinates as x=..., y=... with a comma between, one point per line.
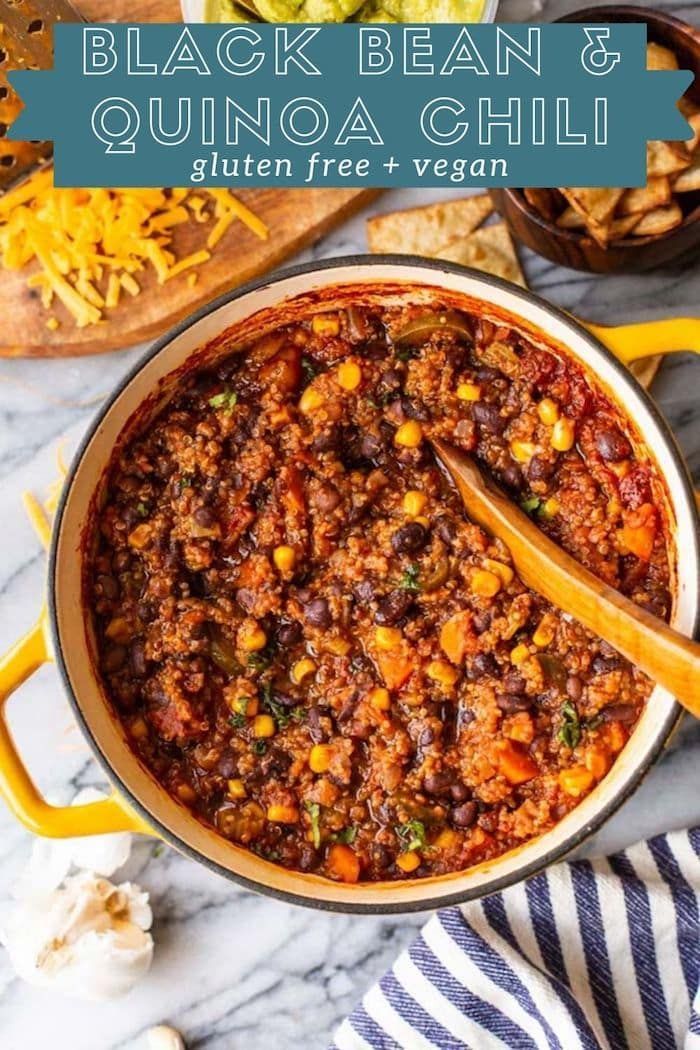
x=232, y=969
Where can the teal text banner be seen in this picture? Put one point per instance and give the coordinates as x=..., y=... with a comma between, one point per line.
x=350, y=105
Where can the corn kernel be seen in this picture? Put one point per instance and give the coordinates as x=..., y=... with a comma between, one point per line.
x=545, y=632
x=251, y=638
x=469, y=392
x=621, y=469
x=447, y=839
x=442, y=672
x=349, y=375
x=414, y=503
x=575, y=781
x=408, y=862
x=422, y=520
x=519, y=654
x=338, y=646
x=380, y=699
x=138, y=729
x=548, y=411
x=504, y=572
x=236, y=788
x=302, y=669
x=484, y=583
x=326, y=324
x=186, y=793
x=387, y=638
x=263, y=726
x=284, y=558
x=412, y=699
x=311, y=400
x=549, y=508
x=597, y=761
x=320, y=758
x=281, y=814
x=522, y=451
x=280, y=416
x=409, y=434
x=140, y=537
x=563, y=434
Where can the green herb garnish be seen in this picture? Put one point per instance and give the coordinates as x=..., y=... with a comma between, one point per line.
x=142, y=509
x=406, y=353
x=347, y=836
x=409, y=580
x=309, y=369
x=260, y=661
x=185, y=482
x=238, y=720
x=532, y=504
x=227, y=399
x=314, y=811
x=259, y=747
x=593, y=723
x=281, y=714
x=570, y=730
x=411, y=835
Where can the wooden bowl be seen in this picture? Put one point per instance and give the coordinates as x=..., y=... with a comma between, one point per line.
x=633, y=254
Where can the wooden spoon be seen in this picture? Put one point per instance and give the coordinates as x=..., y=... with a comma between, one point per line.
x=666, y=656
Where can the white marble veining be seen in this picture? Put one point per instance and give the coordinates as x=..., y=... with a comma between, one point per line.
x=234, y=970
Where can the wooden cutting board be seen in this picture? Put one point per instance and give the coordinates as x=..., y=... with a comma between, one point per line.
x=296, y=218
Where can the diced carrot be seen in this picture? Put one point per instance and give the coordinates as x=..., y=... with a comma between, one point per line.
x=576, y=780
x=396, y=667
x=515, y=765
x=597, y=761
x=343, y=865
x=457, y=637
x=638, y=533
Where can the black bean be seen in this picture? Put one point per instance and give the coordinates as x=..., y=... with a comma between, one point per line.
x=426, y=737
x=410, y=538
x=205, y=517
x=512, y=477
x=308, y=858
x=381, y=857
x=459, y=792
x=114, y=658
x=226, y=766
x=612, y=445
x=465, y=815
x=619, y=713
x=514, y=683
x=327, y=498
x=438, y=783
x=465, y=717
x=482, y=664
x=364, y=592
x=327, y=440
x=289, y=634
x=511, y=702
x=488, y=417
x=487, y=375
x=446, y=529
x=313, y=725
x=482, y=621
x=415, y=410
x=574, y=687
x=541, y=469
x=137, y=658
x=318, y=613
x=605, y=664
x=393, y=608
x=389, y=382
x=370, y=446
x=275, y=762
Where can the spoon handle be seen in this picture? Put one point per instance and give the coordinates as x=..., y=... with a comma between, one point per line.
x=669, y=658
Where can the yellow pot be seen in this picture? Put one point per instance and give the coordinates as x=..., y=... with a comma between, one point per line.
x=65, y=634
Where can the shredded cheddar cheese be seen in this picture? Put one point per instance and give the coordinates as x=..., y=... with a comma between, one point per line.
x=89, y=243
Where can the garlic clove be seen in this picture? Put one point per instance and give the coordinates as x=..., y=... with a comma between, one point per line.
x=163, y=1037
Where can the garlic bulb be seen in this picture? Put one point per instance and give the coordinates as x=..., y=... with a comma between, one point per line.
x=163, y=1037
x=87, y=939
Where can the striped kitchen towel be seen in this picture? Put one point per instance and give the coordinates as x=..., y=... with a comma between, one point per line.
x=587, y=955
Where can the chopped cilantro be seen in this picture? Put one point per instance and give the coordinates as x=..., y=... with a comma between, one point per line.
x=409, y=580
x=406, y=353
x=259, y=747
x=227, y=399
x=532, y=504
x=309, y=369
x=593, y=723
x=314, y=811
x=347, y=836
x=185, y=482
x=142, y=509
x=570, y=730
x=281, y=714
x=238, y=720
x=411, y=835
x=260, y=661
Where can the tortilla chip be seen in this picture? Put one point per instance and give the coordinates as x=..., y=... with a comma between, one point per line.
x=666, y=158
x=659, y=57
x=547, y=203
x=655, y=194
x=687, y=106
x=597, y=204
x=423, y=231
x=489, y=249
x=692, y=144
x=659, y=221
x=571, y=219
x=689, y=179
x=619, y=228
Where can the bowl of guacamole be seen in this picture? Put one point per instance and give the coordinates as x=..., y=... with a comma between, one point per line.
x=454, y=11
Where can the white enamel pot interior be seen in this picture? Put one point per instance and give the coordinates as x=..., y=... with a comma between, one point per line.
x=219, y=328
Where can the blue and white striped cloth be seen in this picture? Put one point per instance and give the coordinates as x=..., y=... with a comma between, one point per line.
x=587, y=955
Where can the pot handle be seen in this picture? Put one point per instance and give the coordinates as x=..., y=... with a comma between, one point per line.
x=16, y=785
x=631, y=342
